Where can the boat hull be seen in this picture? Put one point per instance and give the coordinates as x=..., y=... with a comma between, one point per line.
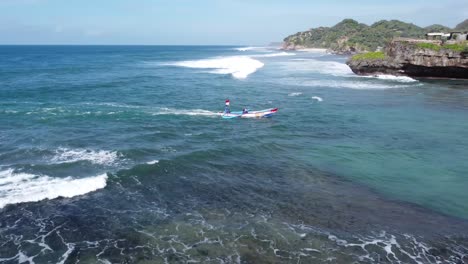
x=251, y=114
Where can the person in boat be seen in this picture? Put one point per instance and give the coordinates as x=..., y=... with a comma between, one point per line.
x=245, y=111
x=227, y=110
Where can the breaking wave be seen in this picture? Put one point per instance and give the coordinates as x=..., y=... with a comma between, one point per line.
x=317, y=98
x=404, y=79
x=249, y=48
x=24, y=187
x=279, y=54
x=238, y=66
x=318, y=66
x=295, y=94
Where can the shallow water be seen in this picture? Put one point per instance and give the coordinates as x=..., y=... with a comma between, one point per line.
x=350, y=169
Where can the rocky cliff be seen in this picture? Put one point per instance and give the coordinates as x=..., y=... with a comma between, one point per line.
x=415, y=58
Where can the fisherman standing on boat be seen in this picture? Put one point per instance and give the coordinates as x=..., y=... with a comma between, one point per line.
x=227, y=110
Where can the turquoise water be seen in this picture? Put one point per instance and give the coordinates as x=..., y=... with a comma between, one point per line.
x=117, y=153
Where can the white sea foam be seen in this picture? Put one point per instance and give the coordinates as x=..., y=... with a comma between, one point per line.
x=152, y=162
x=388, y=243
x=24, y=187
x=295, y=94
x=238, y=66
x=403, y=79
x=319, y=99
x=189, y=112
x=351, y=83
x=404, y=247
x=101, y=157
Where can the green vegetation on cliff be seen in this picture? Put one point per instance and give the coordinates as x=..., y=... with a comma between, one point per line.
x=430, y=46
x=350, y=35
x=378, y=55
x=459, y=47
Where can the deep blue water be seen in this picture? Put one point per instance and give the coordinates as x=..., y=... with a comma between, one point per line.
x=117, y=154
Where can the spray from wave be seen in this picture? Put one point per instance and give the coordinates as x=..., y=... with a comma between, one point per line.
x=24, y=187
x=238, y=66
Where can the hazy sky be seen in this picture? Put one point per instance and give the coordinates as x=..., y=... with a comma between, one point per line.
x=201, y=21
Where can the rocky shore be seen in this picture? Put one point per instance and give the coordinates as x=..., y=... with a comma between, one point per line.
x=415, y=58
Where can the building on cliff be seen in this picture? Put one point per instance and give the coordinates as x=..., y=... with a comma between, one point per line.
x=452, y=36
x=458, y=36
x=437, y=36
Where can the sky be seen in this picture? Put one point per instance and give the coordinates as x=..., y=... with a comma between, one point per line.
x=201, y=22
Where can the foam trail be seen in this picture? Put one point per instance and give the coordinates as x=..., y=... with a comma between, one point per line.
x=101, y=157
x=319, y=99
x=295, y=94
x=238, y=66
x=189, y=112
x=24, y=187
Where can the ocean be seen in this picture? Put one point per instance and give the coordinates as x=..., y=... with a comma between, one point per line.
x=117, y=154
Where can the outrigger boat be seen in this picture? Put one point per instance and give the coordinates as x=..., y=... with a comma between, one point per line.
x=250, y=114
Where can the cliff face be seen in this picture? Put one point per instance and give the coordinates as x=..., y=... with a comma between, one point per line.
x=417, y=59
